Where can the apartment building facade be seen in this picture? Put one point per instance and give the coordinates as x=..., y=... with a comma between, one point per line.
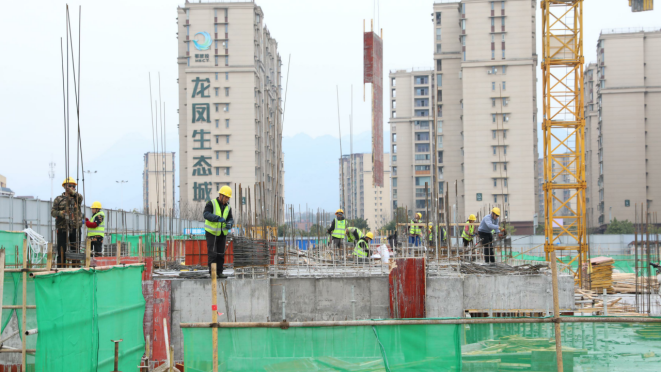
x=230, y=109
x=485, y=89
x=412, y=140
x=622, y=101
x=361, y=199
x=159, y=182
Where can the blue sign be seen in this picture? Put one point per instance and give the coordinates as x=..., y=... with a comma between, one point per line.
x=195, y=231
x=204, y=45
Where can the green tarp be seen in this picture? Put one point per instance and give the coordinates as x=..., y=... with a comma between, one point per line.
x=80, y=312
x=622, y=263
x=438, y=347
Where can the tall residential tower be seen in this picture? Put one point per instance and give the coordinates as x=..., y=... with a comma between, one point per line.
x=230, y=110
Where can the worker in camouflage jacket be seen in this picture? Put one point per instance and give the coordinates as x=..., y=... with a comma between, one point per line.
x=68, y=218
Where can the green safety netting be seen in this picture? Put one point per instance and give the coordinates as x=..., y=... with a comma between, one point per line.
x=12, y=242
x=622, y=263
x=148, y=239
x=80, y=312
x=439, y=347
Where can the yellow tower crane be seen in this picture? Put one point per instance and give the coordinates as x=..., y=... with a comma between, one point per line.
x=563, y=129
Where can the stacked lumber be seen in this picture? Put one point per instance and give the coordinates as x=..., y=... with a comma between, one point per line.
x=588, y=301
x=625, y=283
x=601, y=274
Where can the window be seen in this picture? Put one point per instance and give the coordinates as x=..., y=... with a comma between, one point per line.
x=420, y=102
x=420, y=80
x=440, y=154
x=227, y=76
x=494, y=166
x=227, y=155
x=495, y=182
x=492, y=53
x=438, y=48
x=493, y=118
x=493, y=102
x=439, y=34
x=216, y=123
x=503, y=69
x=394, y=182
x=421, y=112
x=503, y=85
x=440, y=126
x=216, y=91
x=422, y=157
x=503, y=22
x=422, y=136
x=227, y=139
x=226, y=60
x=218, y=171
x=227, y=92
x=493, y=134
x=503, y=53
x=438, y=18
x=421, y=91
x=393, y=114
x=393, y=82
x=421, y=124
x=504, y=102
x=495, y=198
x=227, y=123
x=491, y=5
x=216, y=105
x=422, y=147
x=438, y=65
x=439, y=79
x=463, y=24
x=439, y=112
x=503, y=5
x=393, y=137
x=420, y=204
x=394, y=158
x=217, y=153
x=505, y=150
x=217, y=76
x=227, y=107
x=422, y=167
x=494, y=150
x=393, y=93
x=395, y=149
x=504, y=134
x=505, y=166
x=504, y=117
x=421, y=181
x=505, y=183
x=463, y=8
x=440, y=143
x=393, y=104
x=493, y=85
x=492, y=24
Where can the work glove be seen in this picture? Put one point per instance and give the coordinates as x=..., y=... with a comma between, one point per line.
x=228, y=225
x=220, y=219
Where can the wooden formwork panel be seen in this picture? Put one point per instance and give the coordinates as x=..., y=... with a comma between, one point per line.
x=406, y=286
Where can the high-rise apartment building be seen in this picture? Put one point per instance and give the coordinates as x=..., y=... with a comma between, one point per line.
x=622, y=101
x=230, y=110
x=361, y=198
x=159, y=182
x=485, y=107
x=412, y=142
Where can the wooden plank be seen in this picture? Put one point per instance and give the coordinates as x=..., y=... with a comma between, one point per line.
x=407, y=288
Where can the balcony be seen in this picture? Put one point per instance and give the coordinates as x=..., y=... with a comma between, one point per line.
x=422, y=172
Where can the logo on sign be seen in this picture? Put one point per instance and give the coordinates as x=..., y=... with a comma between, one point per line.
x=205, y=44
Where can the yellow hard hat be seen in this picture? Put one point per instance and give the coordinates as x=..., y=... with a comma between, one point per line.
x=418, y=215
x=496, y=211
x=472, y=217
x=369, y=235
x=96, y=205
x=429, y=223
x=339, y=211
x=226, y=190
x=69, y=180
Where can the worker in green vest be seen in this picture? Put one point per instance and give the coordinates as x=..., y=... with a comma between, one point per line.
x=96, y=229
x=468, y=231
x=338, y=228
x=218, y=221
x=415, y=231
x=362, y=248
x=353, y=234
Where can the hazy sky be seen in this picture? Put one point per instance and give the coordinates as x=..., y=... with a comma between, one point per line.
x=122, y=41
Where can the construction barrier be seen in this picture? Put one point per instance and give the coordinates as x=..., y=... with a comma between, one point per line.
x=525, y=346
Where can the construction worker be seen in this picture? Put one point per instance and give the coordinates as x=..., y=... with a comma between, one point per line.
x=468, y=232
x=218, y=221
x=415, y=231
x=362, y=248
x=488, y=226
x=353, y=234
x=431, y=235
x=68, y=219
x=96, y=228
x=337, y=229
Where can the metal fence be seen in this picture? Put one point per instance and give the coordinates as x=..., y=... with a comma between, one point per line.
x=17, y=214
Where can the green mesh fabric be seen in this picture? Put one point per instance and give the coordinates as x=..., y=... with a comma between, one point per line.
x=622, y=263
x=80, y=312
x=468, y=348
x=361, y=348
x=148, y=239
x=10, y=241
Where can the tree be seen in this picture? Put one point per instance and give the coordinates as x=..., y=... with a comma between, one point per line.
x=283, y=230
x=510, y=229
x=540, y=229
x=620, y=227
x=359, y=223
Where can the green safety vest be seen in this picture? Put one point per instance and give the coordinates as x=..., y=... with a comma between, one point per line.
x=339, y=229
x=101, y=228
x=358, y=251
x=471, y=232
x=216, y=228
x=350, y=236
x=430, y=235
x=414, y=230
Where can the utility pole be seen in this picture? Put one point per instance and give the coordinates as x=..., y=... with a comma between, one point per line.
x=51, y=175
x=121, y=194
